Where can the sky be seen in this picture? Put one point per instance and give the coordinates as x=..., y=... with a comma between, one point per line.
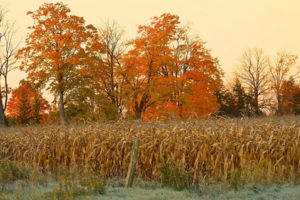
x=227, y=26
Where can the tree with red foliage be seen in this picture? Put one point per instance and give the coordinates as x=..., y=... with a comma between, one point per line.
x=290, y=97
x=168, y=73
x=27, y=105
x=55, y=51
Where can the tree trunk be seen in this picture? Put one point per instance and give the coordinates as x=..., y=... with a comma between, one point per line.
x=62, y=115
x=256, y=104
x=138, y=113
x=138, y=107
x=279, y=106
x=2, y=115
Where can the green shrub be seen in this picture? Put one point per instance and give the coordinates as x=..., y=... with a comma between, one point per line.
x=12, y=171
x=235, y=179
x=175, y=176
x=93, y=184
x=40, y=178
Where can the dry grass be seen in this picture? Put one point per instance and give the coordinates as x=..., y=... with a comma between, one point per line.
x=264, y=150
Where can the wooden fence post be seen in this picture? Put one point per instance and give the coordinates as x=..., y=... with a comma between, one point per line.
x=133, y=162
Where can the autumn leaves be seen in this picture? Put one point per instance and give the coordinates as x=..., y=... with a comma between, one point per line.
x=56, y=50
x=26, y=105
x=169, y=73
x=163, y=73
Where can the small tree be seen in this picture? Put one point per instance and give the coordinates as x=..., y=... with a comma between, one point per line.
x=290, y=97
x=243, y=101
x=26, y=105
x=235, y=102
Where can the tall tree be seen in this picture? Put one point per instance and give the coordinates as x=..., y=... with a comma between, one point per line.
x=107, y=76
x=101, y=86
x=255, y=76
x=141, y=64
x=280, y=70
x=8, y=49
x=55, y=51
x=168, y=71
x=193, y=72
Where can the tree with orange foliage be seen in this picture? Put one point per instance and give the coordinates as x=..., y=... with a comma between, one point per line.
x=197, y=78
x=26, y=105
x=290, y=97
x=280, y=70
x=167, y=72
x=142, y=63
x=55, y=51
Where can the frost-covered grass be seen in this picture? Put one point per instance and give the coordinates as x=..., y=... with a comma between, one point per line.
x=23, y=190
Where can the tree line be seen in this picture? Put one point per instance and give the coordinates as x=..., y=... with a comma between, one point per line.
x=262, y=86
x=162, y=73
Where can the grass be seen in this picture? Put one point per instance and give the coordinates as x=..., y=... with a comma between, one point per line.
x=21, y=182
x=114, y=190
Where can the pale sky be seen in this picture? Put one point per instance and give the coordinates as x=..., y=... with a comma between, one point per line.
x=228, y=26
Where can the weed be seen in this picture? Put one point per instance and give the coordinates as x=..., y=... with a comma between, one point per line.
x=175, y=176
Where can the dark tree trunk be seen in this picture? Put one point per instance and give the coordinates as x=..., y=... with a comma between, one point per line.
x=279, y=104
x=2, y=115
x=62, y=115
x=256, y=104
x=138, y=113
x=139, y=108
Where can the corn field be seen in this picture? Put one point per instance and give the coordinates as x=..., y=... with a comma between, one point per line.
x=214, y=150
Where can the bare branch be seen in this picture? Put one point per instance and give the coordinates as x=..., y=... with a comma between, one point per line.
x=254, y=75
